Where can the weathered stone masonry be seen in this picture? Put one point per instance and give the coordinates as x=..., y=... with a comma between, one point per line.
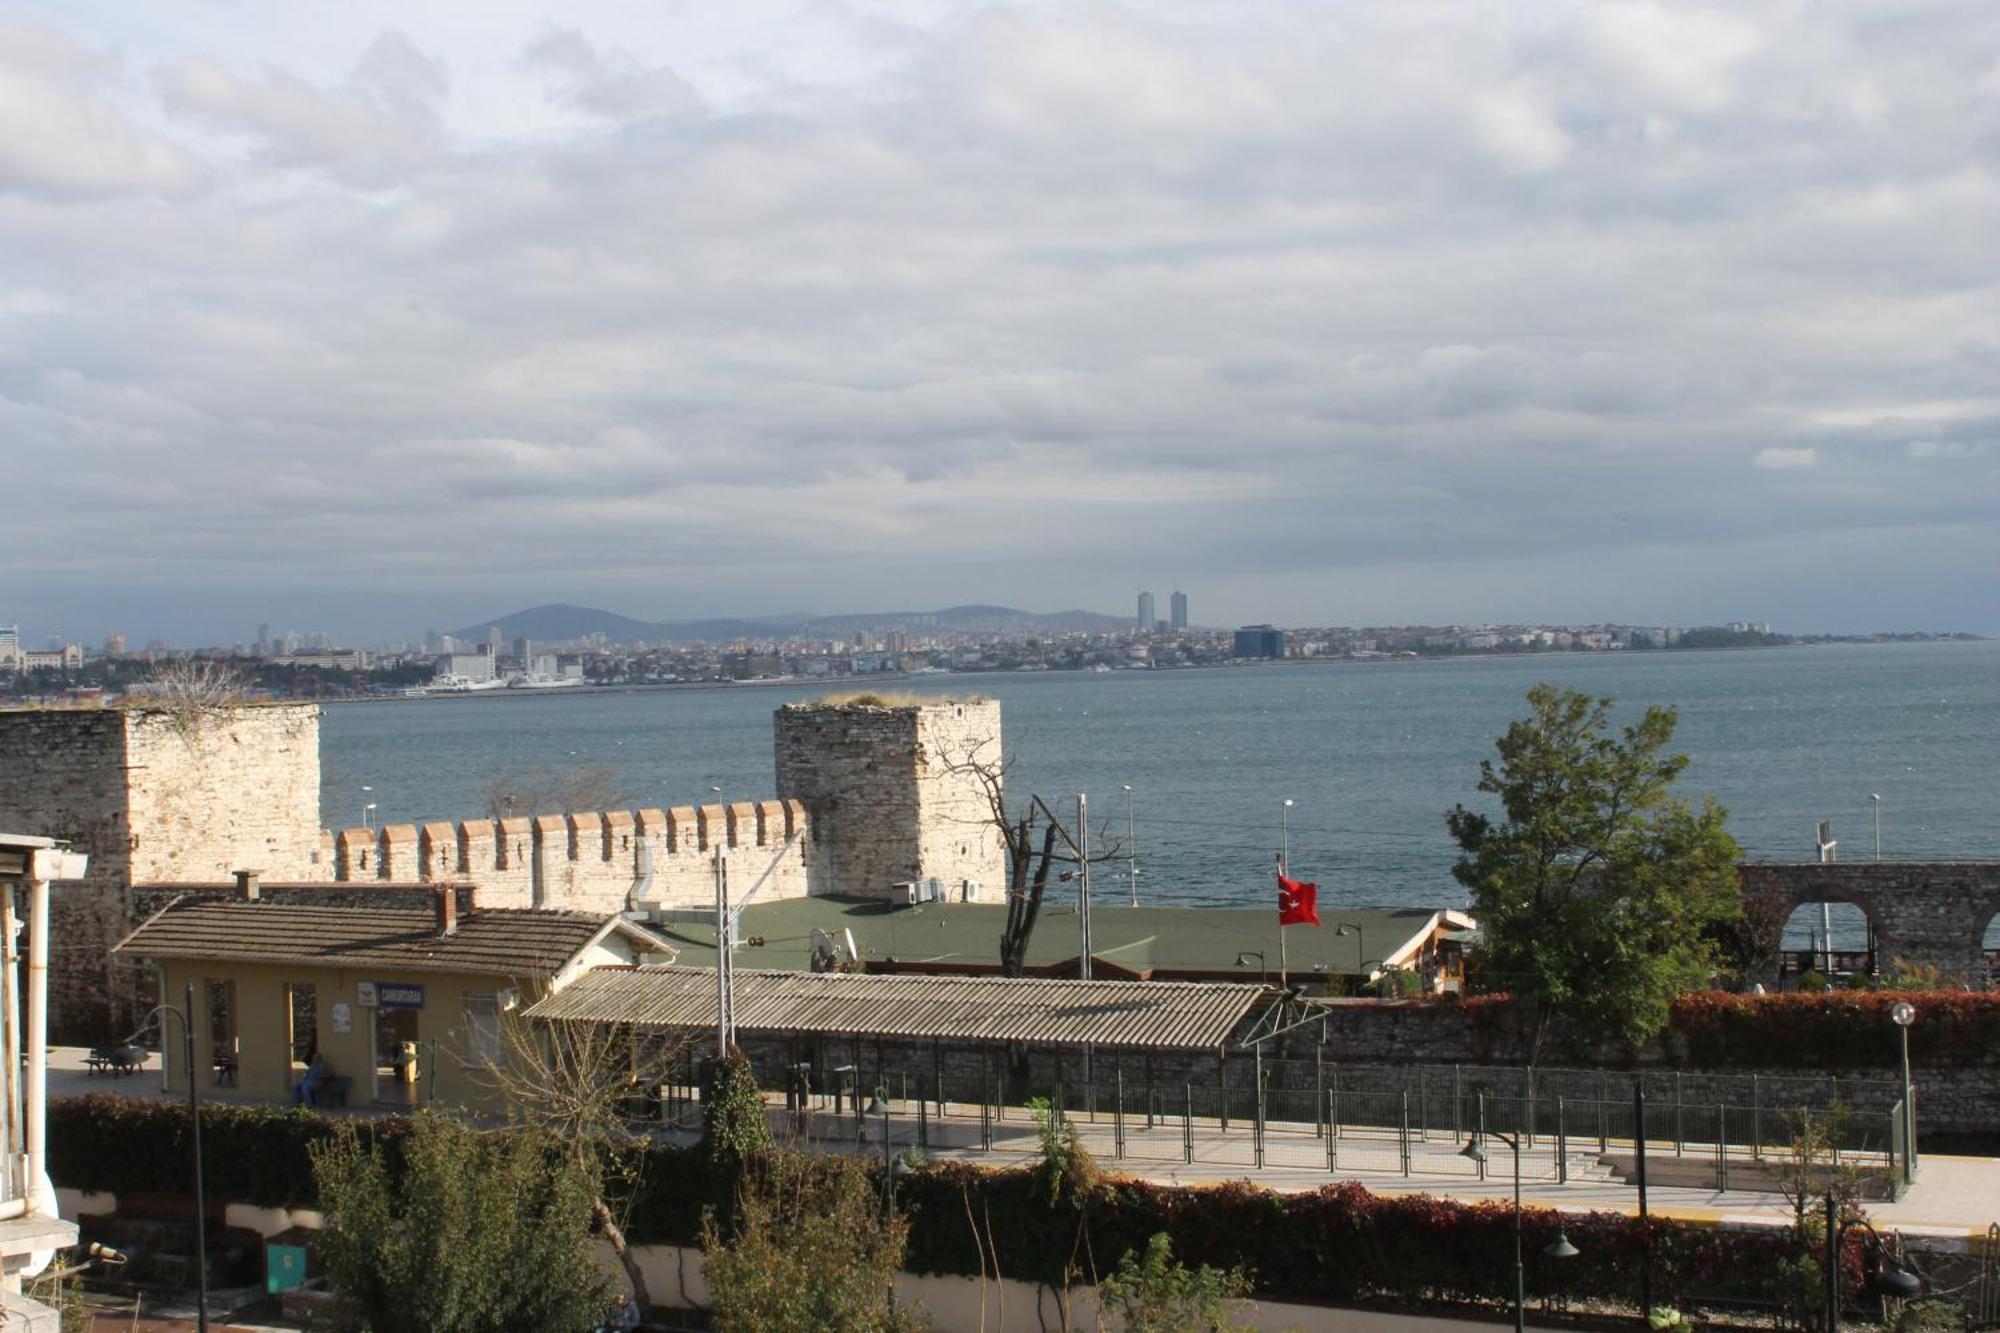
x=160, y=801
x=895, y=793
x=153, y=797
x=1927, y=912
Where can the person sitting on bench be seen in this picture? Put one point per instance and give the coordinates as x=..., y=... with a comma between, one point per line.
x=306, y=1090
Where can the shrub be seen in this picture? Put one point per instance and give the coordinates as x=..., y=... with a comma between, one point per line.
x=461, y=1232
x=814, y=1250
x=1834, y=1030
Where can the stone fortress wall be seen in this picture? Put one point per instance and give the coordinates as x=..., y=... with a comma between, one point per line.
x=595, y=861
x=901, y=793
x=154, y=796
x=868, y=798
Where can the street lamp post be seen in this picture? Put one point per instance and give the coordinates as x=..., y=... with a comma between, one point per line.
x=1355, y=931
x=194, y=1117
x=1285, y=837
x=1902, y=1015
x=1559, y=1248
x=1889, y=1278
x=1875, y=799
x=1131, y=841
x=367, y=807
x=1243, y=960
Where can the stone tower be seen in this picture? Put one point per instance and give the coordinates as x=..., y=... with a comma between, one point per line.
x=895, y=793
x=154, y=797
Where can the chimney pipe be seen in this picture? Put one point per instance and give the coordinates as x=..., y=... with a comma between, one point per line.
x=247, y=884
x=447, y=911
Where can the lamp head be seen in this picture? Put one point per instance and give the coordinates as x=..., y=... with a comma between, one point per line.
x=879, y=1103
x=1903, y=1013
x=1560, y=1248
x=1896, y=1281
x=1474, y=1149
x=1288, y=803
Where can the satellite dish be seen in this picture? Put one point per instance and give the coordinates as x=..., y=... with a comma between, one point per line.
x=824, y=956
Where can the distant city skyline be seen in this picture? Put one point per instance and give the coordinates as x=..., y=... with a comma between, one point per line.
x=267, y=639
x=371, y=317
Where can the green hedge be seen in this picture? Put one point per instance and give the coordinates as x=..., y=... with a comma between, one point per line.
x=1339, y=1243
x=1833, y=1030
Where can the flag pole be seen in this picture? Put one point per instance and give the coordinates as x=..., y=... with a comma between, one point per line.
x=1282, y=868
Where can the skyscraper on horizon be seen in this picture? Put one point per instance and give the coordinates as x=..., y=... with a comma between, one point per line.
x=1179, y=610
x=1145, y=613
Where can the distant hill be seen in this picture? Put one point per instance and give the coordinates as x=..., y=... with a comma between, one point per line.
x=560, y=622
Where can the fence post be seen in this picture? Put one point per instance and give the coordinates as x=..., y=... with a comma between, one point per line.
x=1187, y=1125
x=1721, y=1148
x=1562, y=1144
x=1118, y=1114
x=1333, y=1111
x=1222, y=1090
x=1257, y=1130
x=1319, y=1083
x=1603, y=1112
x=1756, y=1119
x=1405, y=1134
x=1480, y=1130
x=986, y=1123
x=1149, y=1089
x=1530, y=1109
x=923, y=1124
x=1332, y=1140
x=1457, y=1107
x=1056, y=1115
x=1680, y=1119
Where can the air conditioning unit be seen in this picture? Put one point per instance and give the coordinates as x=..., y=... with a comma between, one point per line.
x=933, y=890
x=906, y=891
x=969, y=891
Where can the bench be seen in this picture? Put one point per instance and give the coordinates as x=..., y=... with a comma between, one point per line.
x=115, y=1060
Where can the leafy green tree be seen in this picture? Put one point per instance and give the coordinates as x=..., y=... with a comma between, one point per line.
x=1153, y=1293
x=811, y=1251
x=1598, y=892
x=448, y=1229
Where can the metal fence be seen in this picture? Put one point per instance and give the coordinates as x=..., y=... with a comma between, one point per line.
x=1414, y=1121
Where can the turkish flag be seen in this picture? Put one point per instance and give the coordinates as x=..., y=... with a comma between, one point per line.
x=1298, y=904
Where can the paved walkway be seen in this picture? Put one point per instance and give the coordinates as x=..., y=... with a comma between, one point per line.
x=1953, y=1197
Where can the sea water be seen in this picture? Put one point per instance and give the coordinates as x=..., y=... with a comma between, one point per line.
x=1372, y=755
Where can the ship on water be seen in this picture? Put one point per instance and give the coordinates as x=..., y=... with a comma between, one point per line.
x=538, y=680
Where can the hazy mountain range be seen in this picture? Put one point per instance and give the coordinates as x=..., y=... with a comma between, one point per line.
x=560, y=622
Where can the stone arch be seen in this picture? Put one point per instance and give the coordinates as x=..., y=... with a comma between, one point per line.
x=1931, y=914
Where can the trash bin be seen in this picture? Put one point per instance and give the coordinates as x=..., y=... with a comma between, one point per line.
x=288, y=1259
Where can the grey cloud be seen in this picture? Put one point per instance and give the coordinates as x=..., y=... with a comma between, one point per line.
x=64, y=139
x=1431, y=289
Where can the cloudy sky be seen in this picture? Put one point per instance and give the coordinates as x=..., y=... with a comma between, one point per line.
x=373, y=317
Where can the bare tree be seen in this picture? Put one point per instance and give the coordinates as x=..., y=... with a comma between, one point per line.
x=189, y=693
x=582, y=1083
x=1035, y=841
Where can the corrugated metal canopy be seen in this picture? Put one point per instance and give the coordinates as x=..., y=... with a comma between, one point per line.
x=1159, y=1015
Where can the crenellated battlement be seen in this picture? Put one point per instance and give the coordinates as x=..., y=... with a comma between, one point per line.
x=591, y=860
x=872, y=792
